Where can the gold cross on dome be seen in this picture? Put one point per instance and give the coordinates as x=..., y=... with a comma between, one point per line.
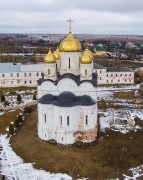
x=70, y=21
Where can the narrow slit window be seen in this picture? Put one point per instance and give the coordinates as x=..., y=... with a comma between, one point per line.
x=45, y=117
x=68, y=120
x=69, y=64
x=48, y=71
x=86, y=120
x=61, y=120
x=85, y=71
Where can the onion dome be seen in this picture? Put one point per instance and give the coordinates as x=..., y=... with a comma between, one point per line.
x=57, y=53
x=86, y=57
x=70, y=44
x=50, y=57
x=90, y=53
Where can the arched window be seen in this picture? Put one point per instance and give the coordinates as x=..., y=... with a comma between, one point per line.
x=68, y=120
x=69, y=63
x=85, y=71
x=86, y=119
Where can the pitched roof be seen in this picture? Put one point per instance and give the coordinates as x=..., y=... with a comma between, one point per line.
x=98, y=66
x=119, y=69
x=9, y=67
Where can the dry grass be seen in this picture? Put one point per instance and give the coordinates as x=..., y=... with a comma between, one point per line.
x=5, y=120
x=124, y=95
x=99, y=160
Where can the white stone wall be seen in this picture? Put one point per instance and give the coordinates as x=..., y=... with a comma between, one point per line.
x=119, y=77
x=56, y=126
x=69, y=62
x=86, y=71
x=105, y=77
x=50, y=71
x=19, y=79
x=66, y=84
x=101, y=78
x=33, y=73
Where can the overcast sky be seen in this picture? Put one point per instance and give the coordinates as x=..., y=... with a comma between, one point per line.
x=90, y=16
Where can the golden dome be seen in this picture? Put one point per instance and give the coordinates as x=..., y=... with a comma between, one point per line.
x=86, y=57
x=70, y=44
x=90, y=53
x=50, y=57
x=57, y=53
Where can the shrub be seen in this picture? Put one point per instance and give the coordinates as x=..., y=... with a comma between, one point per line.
x=2, y=98
x=34, y=97
x=18, y=97
x=16, y=123
x=11, y=129
x=20, y=118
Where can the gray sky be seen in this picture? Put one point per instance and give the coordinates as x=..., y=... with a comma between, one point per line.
x=90, y=16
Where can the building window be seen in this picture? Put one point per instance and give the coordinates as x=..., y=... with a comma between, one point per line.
x=45, y=135
x=29, y=74
x=130, y=75
x=111, y=80
x=11, y=75
x=37, y=74
x=25, y=82
x=68, y=120
x=17, y=74
x=106, y=75
x=45, y=117
x=11, y=82
x=48, y=71
x=100, y=78
x=3, y=75
x=61, y=120
x=24, y=74
x=62, y=138
x=116, y=75
x=121, y=75
x=86, y=120
x=30, y=81
x=69, y=63
x=118, y=80
x=107, y=81
x=111, y=75
x=100, y=72
x=125, y=80
x=85, y=71
x=125, y=74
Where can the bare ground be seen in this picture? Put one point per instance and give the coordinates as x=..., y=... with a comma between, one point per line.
x=100, y=160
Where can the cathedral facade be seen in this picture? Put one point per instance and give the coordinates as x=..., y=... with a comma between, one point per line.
x=67, y=99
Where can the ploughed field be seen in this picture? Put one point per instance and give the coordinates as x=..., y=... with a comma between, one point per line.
x=109, y=157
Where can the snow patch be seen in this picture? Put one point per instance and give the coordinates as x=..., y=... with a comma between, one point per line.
x=23, y=170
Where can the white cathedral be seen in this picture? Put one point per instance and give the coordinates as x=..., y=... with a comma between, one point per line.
x=67, y=98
